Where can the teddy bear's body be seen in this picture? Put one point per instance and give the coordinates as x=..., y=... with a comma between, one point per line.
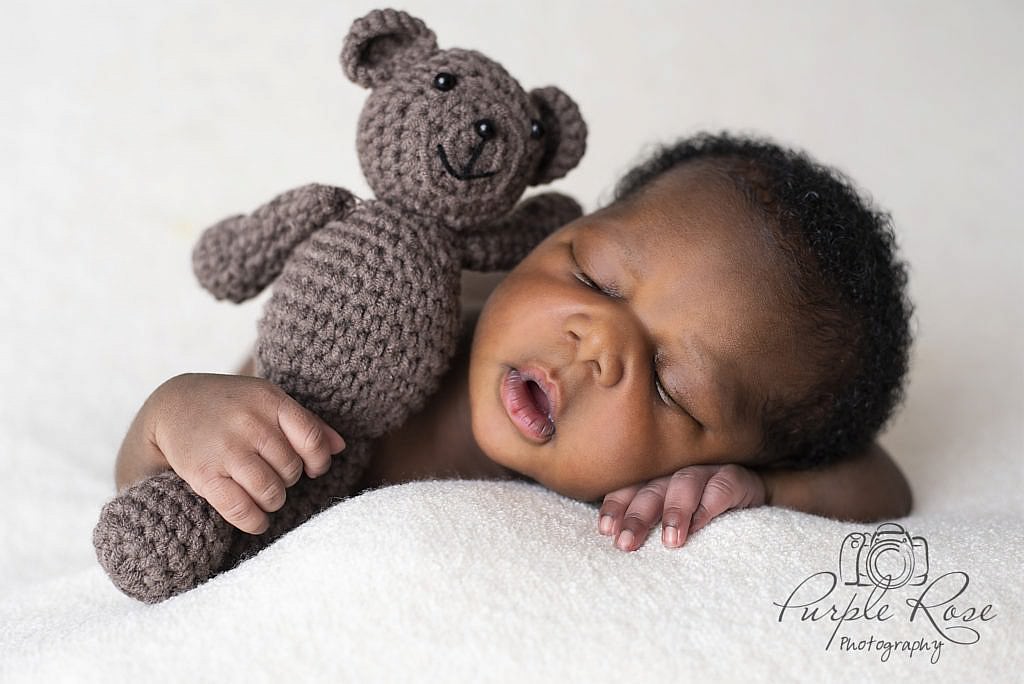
x=357, y=340
x=373, y=315
x=364, y=315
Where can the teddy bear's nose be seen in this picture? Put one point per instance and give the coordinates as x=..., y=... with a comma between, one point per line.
x=484, y=128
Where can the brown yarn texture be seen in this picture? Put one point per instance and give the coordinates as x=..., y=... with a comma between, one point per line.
x=364, y=314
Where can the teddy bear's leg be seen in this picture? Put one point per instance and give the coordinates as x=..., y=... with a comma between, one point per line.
x=159, y=538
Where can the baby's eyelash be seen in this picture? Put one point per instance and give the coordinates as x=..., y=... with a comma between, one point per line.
x=660, y=388
x=586, y=280
x=663, y=394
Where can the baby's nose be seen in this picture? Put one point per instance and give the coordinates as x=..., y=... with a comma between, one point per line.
x=485, y=128
x=597, y=345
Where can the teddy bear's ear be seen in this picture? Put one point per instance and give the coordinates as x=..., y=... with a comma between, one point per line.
x=565, y=133
x=382, y=41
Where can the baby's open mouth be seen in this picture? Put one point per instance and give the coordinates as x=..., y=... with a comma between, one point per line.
x=528, y=404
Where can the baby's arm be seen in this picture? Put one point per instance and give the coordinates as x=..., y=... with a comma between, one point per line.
x=864, y=488
x=239, y=442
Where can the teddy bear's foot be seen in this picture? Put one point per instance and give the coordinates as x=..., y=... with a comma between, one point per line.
x=159, y=538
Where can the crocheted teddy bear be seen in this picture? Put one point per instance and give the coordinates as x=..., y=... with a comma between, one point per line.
x=364, y=315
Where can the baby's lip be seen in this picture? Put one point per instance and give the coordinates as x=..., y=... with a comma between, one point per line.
x=545, y=379
x=532, y=415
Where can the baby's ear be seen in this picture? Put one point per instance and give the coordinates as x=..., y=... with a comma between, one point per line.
x=382, y=41
x=565, y=134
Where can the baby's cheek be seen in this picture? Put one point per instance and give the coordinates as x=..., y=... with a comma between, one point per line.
x=613, y=451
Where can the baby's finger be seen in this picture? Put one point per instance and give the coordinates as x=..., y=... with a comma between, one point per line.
x=613, y=508
x=682, y=498
x=313, y=439
x=234, y=505
x=643, y=513
x=263, y=485
x=277, y=451
x=721, y=493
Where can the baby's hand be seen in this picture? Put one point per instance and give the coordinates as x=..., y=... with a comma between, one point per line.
x=684, y=501
x=239, y=442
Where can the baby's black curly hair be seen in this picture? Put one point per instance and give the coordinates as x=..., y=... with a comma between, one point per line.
x=848, y=291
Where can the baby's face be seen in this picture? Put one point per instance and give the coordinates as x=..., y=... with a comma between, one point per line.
x=633, y=342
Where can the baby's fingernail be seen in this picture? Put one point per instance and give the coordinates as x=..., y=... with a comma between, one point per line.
x=604, y=526
x=670, y=536
x=337, y=443
x=625, y=540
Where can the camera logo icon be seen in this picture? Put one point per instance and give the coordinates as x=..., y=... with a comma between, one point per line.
x=890, y=558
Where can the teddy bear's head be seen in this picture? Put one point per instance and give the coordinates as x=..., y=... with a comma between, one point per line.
x=449, y=133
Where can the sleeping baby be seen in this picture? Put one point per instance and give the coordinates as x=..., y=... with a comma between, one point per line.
x=731, y=331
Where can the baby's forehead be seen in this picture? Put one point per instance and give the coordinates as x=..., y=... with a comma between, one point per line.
x=693, y=212
x=689, y=199
x=707, y=180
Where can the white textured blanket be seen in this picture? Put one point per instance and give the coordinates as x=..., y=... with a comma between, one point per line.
x=126, y=129
x=483, y=581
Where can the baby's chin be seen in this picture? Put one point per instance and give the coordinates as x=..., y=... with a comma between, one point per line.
x=580, y=491
x=548, y=477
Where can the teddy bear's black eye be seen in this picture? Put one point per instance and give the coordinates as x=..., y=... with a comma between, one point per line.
x=536, y=129
x=444, y=81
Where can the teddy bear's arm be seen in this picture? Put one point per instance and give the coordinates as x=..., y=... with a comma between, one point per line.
x=502, y=244
x=238, y=257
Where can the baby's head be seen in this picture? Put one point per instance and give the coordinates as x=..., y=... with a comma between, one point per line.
x=736, y=303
